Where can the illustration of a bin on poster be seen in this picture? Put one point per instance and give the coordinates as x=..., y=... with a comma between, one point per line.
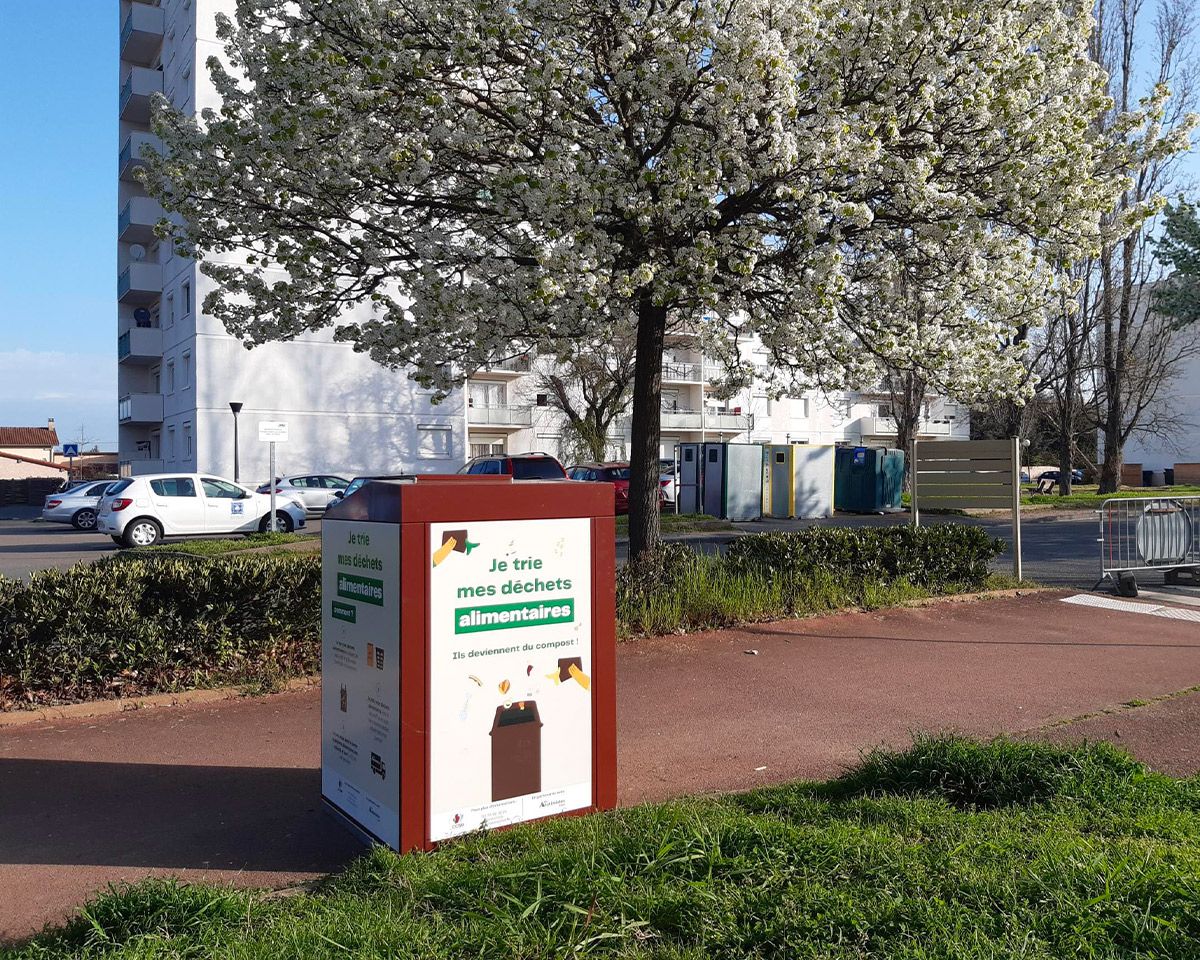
x=516, y=751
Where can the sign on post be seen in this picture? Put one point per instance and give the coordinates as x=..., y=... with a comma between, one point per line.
x=969, y=475
x=70, y=450
x=468, y=656
x=273, y=432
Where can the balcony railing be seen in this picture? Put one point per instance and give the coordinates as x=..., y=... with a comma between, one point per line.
x=140, y=466
x=521, y=364
x=131, y=155
x=674, y=371
x=137, y=219
x=142, y=33
x=886, y=427
x=140, y=283
x=500, y=416
x=140, y=408
x=139, y=86
x=139, y=344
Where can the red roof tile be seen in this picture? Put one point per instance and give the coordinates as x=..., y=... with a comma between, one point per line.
x=28, y=437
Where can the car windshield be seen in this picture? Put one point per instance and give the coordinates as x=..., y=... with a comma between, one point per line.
x=117, y=487
x=353, y=485
x=616, y=473
x=536, y=468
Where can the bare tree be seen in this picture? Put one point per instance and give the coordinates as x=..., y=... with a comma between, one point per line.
x=1137, y=352
x=591, y=383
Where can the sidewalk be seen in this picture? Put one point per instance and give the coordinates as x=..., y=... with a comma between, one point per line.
x=229, y=792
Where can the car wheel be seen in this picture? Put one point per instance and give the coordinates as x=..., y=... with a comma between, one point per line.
x=84, y=519
x=283, y=523
x=117, y=540
x=143, y=532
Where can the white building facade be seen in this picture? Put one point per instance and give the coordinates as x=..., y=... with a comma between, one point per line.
x=178, y=370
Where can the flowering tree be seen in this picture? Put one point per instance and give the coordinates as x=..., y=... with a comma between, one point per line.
x=483, y=174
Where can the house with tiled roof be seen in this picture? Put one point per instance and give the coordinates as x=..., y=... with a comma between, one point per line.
x=37, y=443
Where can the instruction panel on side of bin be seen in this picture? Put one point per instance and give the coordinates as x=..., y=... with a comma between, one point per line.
x=510, y=658
x=360, y=674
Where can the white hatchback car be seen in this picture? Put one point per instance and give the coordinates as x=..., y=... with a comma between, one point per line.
x=140, y=511
x=76, y=506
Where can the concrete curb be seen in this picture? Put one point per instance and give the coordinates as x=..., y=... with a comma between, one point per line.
x=108, y=708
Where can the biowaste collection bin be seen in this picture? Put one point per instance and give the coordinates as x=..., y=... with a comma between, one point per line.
x=798, y=480
x=868, y=479
x=468, y=655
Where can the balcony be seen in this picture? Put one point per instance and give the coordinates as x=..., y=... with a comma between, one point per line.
x=886, y=427
x=513, y=366
x=674, y=371
x=130, y=157
x=142, y=34
x=682, y=420
x=136, y=221
x=139, y=86
x=728, y=422
x=140, y=408
x=140, y=467
x=512, y=418
x=140, y=284
x=140, y=345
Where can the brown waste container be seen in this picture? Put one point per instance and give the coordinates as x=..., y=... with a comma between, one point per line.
x=516, y=751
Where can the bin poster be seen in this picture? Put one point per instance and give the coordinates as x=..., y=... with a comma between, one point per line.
x=360, y=673
x=510, y=650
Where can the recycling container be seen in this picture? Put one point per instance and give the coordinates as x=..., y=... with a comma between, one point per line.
x=868, y=479
x=798, y=480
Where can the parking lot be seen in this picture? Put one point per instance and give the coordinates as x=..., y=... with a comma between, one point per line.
x=1059, y=549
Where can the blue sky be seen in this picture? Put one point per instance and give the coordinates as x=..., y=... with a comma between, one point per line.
x=58, y=92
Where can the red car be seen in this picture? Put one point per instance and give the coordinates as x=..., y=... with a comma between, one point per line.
x=615, y=473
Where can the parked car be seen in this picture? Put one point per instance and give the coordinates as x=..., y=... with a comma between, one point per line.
x=140, y=511
x=76, y=506
x=615, y=473
x=357, y=482
x=315, y=490
x=519, y=466
x=668, y=481
x=1076, y=475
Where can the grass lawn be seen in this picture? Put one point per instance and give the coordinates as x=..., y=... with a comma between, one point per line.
x=952, y=849
x=217, y=547
x=680, y=523
x=1087, y=497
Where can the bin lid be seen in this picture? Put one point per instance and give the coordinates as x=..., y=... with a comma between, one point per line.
x=523, y=711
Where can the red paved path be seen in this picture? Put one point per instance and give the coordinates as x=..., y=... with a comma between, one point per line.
x=229, y=792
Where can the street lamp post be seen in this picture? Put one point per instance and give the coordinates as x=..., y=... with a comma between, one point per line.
x=236, y=408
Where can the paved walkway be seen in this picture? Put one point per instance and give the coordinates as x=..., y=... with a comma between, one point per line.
x=228, y=792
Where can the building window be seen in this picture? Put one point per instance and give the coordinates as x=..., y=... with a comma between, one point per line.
x=170, y=443
x=187, y=439
x=171, y=377
x=185, y=293
x=434, y=442
x=156, y=380
x=170, y=309
x=487, y=446
x=187, y=370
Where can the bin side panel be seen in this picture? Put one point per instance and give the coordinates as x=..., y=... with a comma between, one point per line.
x=813, y=481
x=743, y=481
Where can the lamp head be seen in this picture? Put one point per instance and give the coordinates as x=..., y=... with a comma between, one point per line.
x=235, y=407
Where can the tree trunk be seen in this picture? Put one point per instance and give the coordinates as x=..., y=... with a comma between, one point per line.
x=1114, y=456
x=644, y=531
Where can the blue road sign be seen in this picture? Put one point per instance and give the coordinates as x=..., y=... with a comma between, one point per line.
x=70, y=449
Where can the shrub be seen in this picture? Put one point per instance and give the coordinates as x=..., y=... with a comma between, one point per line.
x=945, y=556
x=774, y=575
x=132, y=625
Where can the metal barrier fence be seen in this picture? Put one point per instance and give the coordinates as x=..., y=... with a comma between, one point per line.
x=1149, y=533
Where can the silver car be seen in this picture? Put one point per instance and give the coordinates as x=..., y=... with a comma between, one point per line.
x=315, y=490
x=76, y=506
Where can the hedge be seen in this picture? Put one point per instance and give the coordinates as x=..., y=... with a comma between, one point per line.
x=774, y=575
x=136, y=624
x=125, y=626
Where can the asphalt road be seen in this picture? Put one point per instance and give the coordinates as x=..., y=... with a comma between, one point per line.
x=1058, y=549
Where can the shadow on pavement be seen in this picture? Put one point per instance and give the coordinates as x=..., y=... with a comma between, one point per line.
x=159, y=815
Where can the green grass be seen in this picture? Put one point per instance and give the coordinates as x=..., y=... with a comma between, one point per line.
x=949, y=850
x=1088, y=498
x=218, y=547
x=680, y=523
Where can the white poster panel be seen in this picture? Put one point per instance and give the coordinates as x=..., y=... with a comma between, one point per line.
x=510, y=662
x=360, y=673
